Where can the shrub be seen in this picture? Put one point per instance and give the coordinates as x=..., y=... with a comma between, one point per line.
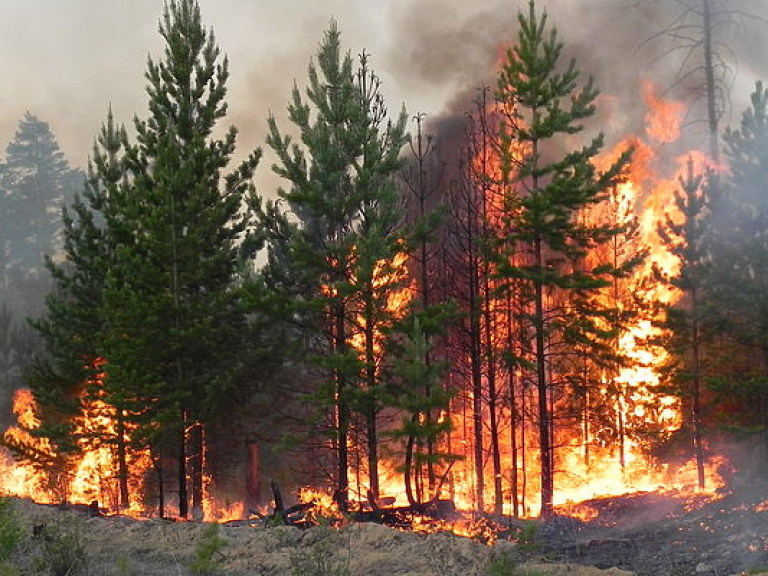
x=206, y=551
x=10, y=530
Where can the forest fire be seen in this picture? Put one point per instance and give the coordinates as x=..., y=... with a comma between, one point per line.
x=547, y=386
x=604, y=455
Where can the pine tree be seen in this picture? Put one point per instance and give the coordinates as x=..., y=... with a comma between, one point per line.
x=417, y=389
x=740, y=264
x=174, y=281
x=552, y=187
x=345, y=233
x=148, y=295
x=71, y=327
x=685, y=236
x=36, y=180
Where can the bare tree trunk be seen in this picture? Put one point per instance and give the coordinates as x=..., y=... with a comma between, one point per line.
x=196, y=462
x=157, y=462
x=371, y=377
x=342, y=414
x=697, y=426
x=709, y=72
x=182, y=466
x=476, y=364
x=545, y=428
x=513, y=425
x=122, y=462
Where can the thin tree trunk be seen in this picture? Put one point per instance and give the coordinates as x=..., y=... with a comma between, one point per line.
x=512, y=416
x=196, y=463
x=709, y=72
x=342, y=414
x=371, y=377
x=157, y=461
x=182, y=467
x=697, y=427
x=408, y=476
x=476, y=362
x=545, y=449
x=122, y=462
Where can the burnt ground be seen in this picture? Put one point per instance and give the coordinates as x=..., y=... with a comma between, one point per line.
x=645, y=534
x=652, y=534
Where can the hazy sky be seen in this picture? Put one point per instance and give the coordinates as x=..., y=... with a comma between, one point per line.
x=67, y=60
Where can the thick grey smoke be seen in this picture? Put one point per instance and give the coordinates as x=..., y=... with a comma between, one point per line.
x=620, y=43
x=68, y=61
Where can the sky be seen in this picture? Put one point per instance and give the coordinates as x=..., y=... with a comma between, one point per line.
x=67, y=61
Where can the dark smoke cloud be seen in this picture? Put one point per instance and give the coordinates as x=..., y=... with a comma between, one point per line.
x=618, y=42
x=66, y=61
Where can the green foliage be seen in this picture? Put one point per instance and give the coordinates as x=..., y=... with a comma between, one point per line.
x=738, y=281
x=526, y=538
x=154, y=251
x=10, y=530
x=124, y=567
x=207, y=551
x=549, y=186
x=9, y=570
x=318, y=561
x=501, y=565
x=327, y=255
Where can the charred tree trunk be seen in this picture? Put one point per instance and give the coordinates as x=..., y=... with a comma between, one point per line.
x=122, y=461
x=253, y=480
x=709, y=73
x=511, y=383
x=157, y=462
x=542, y=388
x=371, y=383
x=196, y=463
x=476, y=360
x=182, y=466
x=696, y=408
x=342, y=412
x=487, y=297
x=408, y=471
x=426, y=297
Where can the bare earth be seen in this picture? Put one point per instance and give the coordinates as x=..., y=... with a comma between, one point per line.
x=644, y=534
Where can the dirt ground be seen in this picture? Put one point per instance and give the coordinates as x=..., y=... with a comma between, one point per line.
x=643, y=534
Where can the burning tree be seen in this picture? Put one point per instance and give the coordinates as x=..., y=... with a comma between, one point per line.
x=685, y=238
x=548, y=187
x=340, y=244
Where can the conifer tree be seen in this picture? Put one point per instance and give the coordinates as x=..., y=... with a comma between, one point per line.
x=685, y=236
x=545, y=101
x=36, y=181
x=148, y=294
x=172, y=285
x=740, y=262
x=346, y=208
x=72, y=328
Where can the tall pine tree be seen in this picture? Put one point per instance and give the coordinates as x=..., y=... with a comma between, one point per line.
x=341, y=239
x=160, y=244
x=35, y=182
x=544, y=101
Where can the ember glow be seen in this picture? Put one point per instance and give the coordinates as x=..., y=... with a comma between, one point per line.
x=605, y=450
x=89, y=476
